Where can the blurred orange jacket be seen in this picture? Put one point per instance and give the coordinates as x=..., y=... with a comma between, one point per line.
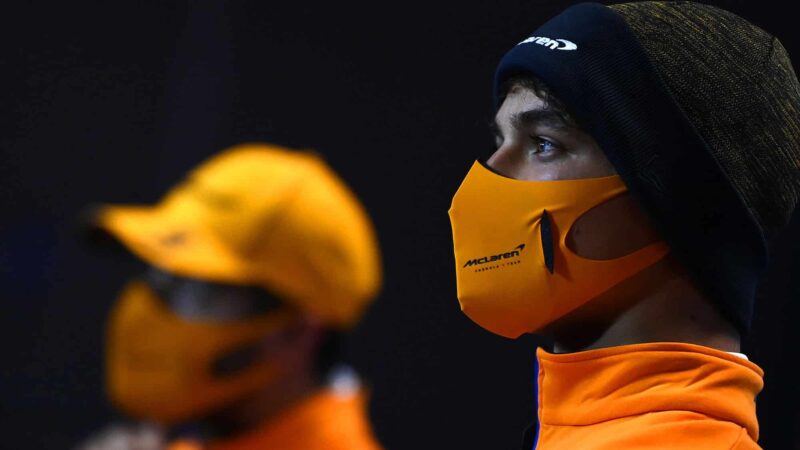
x=664, y=396
x=328, y=420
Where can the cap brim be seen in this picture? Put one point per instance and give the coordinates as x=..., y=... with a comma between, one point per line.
x=171, y=242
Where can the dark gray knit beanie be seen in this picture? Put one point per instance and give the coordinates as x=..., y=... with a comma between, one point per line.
x=699, y=112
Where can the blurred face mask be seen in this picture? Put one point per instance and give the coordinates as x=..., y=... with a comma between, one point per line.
x=514, y=271
x=169, y=368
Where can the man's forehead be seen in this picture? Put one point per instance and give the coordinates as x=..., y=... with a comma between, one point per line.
x=519, y=99
x=525, y=109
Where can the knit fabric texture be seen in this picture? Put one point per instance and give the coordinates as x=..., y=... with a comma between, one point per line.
x=736, y=86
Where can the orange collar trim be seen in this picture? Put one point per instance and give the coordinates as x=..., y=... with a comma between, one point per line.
x=590, y=387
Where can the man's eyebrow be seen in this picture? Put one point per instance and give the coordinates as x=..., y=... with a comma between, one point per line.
x=541, y=116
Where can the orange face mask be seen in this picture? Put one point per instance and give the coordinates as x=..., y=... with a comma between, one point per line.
x=514, y=271
x=166, y=369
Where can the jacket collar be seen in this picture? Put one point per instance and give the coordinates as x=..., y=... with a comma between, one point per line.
x=591, y=387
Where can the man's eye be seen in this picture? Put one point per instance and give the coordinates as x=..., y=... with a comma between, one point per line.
x=543, y=146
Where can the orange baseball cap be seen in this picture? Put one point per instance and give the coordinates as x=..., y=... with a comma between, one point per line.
x=258, y=214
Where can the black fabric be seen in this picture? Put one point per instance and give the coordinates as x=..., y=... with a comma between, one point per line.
x=613, y=90
x=547, y=241
x=736, y=86
x=235, y=361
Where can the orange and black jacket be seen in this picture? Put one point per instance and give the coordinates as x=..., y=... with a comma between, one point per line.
x=664, y=396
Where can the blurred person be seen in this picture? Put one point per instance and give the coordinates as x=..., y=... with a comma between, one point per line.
x=257, y=263
x=646, y=152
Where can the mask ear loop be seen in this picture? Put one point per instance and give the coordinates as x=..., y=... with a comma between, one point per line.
x=547, y=241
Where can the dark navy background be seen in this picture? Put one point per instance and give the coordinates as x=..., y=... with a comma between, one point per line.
x=115, y=101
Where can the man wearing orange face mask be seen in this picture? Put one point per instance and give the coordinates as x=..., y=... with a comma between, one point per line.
x=645, y=154
x=258, y=262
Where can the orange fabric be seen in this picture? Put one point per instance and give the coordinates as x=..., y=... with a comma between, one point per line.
x=328, y=420
x=501, y=230
x=647, y=396
x=185, y=445
x=158, y=363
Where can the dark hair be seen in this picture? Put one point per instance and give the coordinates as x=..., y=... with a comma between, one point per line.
x=543, y=92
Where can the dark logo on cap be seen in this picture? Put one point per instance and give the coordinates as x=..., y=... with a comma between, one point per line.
x=494, y=258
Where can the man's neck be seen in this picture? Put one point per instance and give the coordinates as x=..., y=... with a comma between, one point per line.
x=669, y=309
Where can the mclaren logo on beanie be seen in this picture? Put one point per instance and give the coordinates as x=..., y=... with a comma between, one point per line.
x=552, y=44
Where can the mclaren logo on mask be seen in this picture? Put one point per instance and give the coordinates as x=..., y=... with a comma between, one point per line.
x=494, y=258
x=552, y=44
